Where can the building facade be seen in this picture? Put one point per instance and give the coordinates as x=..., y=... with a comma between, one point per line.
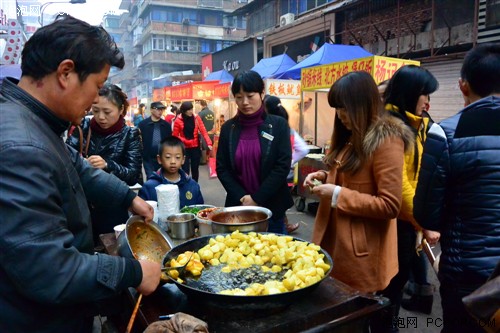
x=437, y=33
x=168, y=38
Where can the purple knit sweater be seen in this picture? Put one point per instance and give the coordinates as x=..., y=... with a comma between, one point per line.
x=248, y=151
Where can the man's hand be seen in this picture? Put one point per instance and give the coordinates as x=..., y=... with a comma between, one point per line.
x=151, y=272
x=142, y=208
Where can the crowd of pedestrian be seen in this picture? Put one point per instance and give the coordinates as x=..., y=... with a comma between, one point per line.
x=393, y=177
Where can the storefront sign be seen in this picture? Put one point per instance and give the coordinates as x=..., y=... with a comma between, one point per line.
x=221, y=90
x=182, y=92
x=235, y=58
x=381, y=69
x=168, y=93
x=133, y=102
x=231, y=65
x=193, y=90
x=158, y=94
x=283, y=88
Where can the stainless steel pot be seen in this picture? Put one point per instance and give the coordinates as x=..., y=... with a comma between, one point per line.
x=141, y=240
x=242, y=218
x=182, y=225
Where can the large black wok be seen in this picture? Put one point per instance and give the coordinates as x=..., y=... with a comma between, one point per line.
x=199, y=290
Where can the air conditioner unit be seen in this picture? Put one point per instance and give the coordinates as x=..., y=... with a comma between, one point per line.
x=286, y=19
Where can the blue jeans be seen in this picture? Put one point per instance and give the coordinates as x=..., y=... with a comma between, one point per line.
x=418, y=274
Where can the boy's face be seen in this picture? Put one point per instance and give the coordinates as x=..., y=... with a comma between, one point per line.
x=171, y=159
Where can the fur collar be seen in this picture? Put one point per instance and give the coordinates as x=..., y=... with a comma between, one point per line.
x=385, y=127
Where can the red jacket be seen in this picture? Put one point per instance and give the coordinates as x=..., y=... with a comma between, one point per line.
x=198, y=128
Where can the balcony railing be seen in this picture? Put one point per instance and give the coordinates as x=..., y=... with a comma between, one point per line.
x=173, y=57
x=210, y=3
x=195, y=31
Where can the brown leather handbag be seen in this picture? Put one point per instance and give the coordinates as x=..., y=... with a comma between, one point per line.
x=484, y=303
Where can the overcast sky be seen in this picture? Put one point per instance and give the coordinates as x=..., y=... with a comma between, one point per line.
x=91, y=12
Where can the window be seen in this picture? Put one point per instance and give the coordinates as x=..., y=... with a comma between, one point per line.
x=181, y=44
x=241, y=22
x=190, y=16
x=158, y=15
x=111, y=23
x=146, y=48
x=492, y=13
x=212, y=18
x=158, y=43
x=116, y=37
x=174, y=16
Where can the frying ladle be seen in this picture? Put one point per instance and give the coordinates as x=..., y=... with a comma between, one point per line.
x=180, y=269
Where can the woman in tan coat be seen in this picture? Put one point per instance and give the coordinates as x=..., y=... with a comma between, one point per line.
x=361, y=195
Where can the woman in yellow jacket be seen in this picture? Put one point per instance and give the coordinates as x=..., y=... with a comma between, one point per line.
x=407, y=97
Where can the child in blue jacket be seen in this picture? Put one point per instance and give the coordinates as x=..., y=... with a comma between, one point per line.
x=171, y=156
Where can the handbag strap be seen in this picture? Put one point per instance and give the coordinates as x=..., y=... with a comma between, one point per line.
x=80, y=138
x=87, y=143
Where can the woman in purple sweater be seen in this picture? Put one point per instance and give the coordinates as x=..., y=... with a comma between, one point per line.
x=254, y=153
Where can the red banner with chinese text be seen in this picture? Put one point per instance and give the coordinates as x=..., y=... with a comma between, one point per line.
x=221, y=90
x=193, y=90
x=158, y=95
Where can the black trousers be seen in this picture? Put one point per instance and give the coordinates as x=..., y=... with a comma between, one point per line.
x=394, y=291
x=193, y=156
x=150, y=165
x=456, y=318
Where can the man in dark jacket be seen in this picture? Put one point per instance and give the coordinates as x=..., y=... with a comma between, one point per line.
x=153, y=129
x=208, y=118
x=458, y=191
x=50, y=278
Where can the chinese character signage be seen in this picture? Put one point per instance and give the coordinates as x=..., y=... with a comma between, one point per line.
x=193, y=90
x=204, y=89
x=381, y=69
x=283, y=88
x=221, y=90
x=168, y=93
x=158, y=94
x=181, y=92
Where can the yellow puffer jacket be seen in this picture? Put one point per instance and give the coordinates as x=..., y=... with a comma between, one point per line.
x=410, y=173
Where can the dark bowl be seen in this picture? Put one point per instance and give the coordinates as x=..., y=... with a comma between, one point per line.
x=195, y=288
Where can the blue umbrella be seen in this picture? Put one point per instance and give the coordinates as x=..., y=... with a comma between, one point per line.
x=273, y=66
x=326, y=54
x=222, y=76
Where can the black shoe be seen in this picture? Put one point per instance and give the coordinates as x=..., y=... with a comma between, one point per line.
x=418, y=303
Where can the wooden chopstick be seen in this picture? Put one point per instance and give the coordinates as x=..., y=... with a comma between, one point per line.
x=134, y=314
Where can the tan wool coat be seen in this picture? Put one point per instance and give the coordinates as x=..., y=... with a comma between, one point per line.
x=360, y=234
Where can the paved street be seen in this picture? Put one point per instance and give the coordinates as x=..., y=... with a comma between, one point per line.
x=214, y=194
